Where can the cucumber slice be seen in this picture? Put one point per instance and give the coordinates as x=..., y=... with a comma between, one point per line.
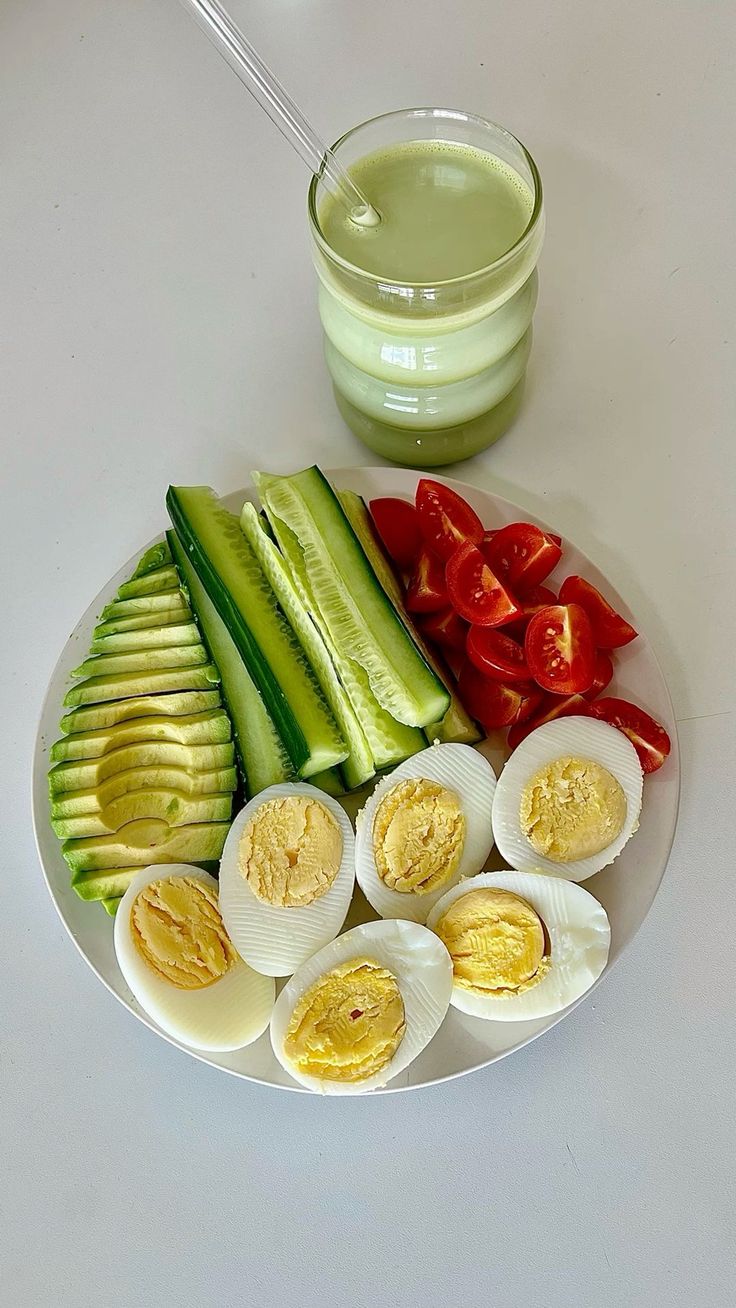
x=166, y=805
x=84, y=773
x=359, y=764
x=93, y=716
x=160, y=579
x=177, y=616
x=167, y=601
x=146, y=841
x=234, y=581
x=356, y=609
x=142, y=660
x=389, y=741
x=156, y=556
x=120, y=642
x=457, y=724
x=261, y=754
x=188, y=729
x=97, y=690
x=152, y=779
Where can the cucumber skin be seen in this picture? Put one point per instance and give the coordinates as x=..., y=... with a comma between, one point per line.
x=271, y=764
x=273, y=696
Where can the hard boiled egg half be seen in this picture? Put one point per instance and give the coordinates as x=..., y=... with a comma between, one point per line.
x=286, y=876
x=424, y=827
x=177, y=958
x=363, y=1008
x=568, y=799
x=522, y=945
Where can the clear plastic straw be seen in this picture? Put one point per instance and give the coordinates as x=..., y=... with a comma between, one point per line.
x=281, y=109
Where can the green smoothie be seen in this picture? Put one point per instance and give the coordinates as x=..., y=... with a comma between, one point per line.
x=446, y=210
x=427, y=316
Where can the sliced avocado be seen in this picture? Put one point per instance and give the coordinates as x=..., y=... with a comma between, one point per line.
x=168, y=806
x=150, y=780
x=193, y=729
x=93, y=716
x=146, y=841
x=154, y=582
x=97, y=690
x=131, y=608
x=178, y=614
x=156, y=556
x=85, y=773
x=142, y=660
x=109, y=885
x=111, y=905
x=119, y=642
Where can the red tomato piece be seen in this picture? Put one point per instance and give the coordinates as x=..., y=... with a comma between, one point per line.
x=397, y=524
x=445, y=628
x=539, y=597
x=522, y=554
x=446, y=520
x=496, y=655
x=427, y=590
x=559, y=649
x=602, y=674
x=650, y=740
x=492, y=703
x=476, y=592
x=551, y=707
x=610, y=630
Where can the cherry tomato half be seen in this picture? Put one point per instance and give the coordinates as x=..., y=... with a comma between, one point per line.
x=427, y=590
x=610, y=630
x=551, y=707
x=522, y=554
x=446, y=520
x=492, y=703
x=397, y=524
x=650, y=740
x=446, y=629
x=559, y=649
x=602, y=674
x=496, y=655
x=476, y=592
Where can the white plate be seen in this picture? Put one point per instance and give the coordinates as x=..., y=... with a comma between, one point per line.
x=626, y=888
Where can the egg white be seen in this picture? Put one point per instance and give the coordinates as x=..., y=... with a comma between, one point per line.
x=228, y=1014
x=580, y=938
x=584, y=738
x=471, y=777
x=423, y=971
x=273, y=939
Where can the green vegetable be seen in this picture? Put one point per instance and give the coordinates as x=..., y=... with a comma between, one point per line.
x=362, y=622
x=234, y=581
x=261, y=754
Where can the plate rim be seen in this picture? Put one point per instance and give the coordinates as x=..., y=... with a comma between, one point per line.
x=39, y=815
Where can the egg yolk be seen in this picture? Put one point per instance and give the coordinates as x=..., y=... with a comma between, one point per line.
x=290, y=851
x=418, y=836
x=349, y=1024
x=571, y=809
x=495, y=940
x=177, y=929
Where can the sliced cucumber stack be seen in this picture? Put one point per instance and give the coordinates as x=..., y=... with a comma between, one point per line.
x=457, y=725
x=261, y=754
x=235, y=583
x=361, y=620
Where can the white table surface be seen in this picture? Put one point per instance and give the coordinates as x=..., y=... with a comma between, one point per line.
x=159, y=324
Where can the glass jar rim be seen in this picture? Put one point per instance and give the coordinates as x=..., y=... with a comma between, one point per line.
x=465, y=279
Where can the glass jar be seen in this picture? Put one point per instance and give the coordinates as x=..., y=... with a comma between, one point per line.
x=430, y=373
